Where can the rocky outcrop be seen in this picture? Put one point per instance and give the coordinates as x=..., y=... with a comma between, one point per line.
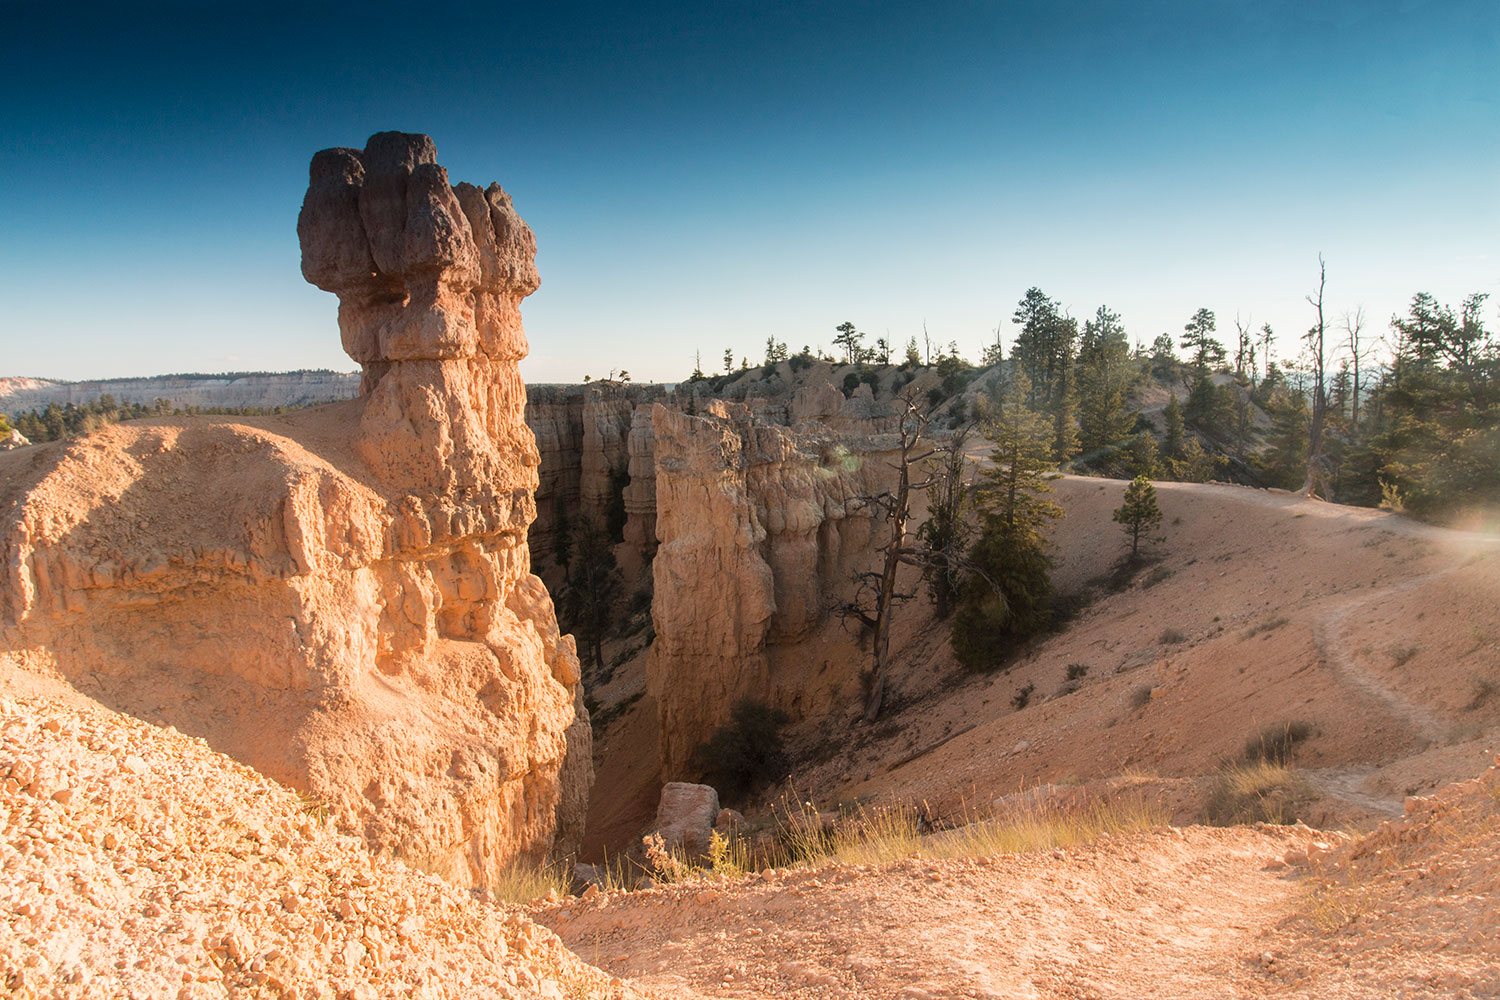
x=12, y=440
x=339, y=597
x=759, y=533
x=585, y=436
x=685, y=817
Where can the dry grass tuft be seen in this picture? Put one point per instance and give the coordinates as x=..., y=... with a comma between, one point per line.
x=526, y=882
x=1260, y=791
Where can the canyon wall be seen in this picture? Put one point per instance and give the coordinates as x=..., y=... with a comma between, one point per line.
x=585, y=435
x=340, y=597
x=760, y=528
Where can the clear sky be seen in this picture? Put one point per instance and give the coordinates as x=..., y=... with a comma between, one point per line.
x=707, y=174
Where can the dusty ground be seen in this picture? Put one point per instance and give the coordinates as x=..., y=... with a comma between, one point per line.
x=1412, y=910
x=1259, y=608
x=138, y=863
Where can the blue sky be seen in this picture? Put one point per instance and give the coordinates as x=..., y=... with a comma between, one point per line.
x=707, y=175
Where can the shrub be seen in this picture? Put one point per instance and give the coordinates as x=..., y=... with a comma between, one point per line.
x=1141, y=696
x=1171, y=637
x=1259, y=792
x=745, y=754
x=1077, y=671
x=1022, y=697
x=1276, y=744
x=851, y=382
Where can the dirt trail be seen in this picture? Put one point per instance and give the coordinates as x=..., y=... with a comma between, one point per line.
x=1173, y=913
x=1337, y=652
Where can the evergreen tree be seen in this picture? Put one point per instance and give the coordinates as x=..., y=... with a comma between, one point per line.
x=1172, y=417
x=594, y=584
x=1206, y=352
x=1009, y=595
x=1139, y=512
x=1105, y=375
x=913, y=355
x=1210, y=408
x=946, y=530
x=849, y=339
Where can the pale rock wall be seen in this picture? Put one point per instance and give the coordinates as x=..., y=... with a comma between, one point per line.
x=759, y=530
x=585, y=434
x=339, y=597
x=18, y=395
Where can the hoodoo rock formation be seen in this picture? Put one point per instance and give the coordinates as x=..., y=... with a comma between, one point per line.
x=760, y=527
x=339, y=597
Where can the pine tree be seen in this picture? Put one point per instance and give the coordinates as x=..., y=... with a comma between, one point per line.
x=913, y=354
x=1207, y=353
x=1010, y=594
x=1172, y=416
x=1105, y=375
x=1139, y=512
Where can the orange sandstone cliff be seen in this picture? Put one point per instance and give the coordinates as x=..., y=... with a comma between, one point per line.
x=339, y=597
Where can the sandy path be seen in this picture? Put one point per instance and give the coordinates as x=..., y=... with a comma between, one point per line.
x=1165, y=914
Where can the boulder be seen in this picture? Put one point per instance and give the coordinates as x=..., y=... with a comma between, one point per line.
x=685, y=816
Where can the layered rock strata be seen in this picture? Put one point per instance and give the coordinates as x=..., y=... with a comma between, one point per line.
x=760, y=529
x=341, y=597
x=595, y=451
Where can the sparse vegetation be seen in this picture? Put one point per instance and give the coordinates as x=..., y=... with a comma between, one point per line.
x=1022, y=697
x=1256, y=792
x=1401, y=654
x=745, y=754
x=1480, y=693
x=1277, y=744
x=1171, y=637
x=525, y=882
x=1141, y=696
x=1269, y=625
x=1139, y=513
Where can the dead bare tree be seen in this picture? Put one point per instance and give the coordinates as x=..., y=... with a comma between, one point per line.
x=1316, y=462
x=1244, y=352
x=1358, y=352
x=875, y=594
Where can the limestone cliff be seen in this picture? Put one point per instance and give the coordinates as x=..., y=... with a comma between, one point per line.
x=759, y=532
x=340, y=597
x=585, y=436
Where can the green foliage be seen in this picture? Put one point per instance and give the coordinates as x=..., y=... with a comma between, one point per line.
x=1276, y=744
x=913, y=357
x=1104, y=377
x=745, y=754
x=615, y=515
x=1284, y=464
x=851, y=381
x=1163, y=355
x=1210, y=408
x=1141, y=457
x=946, y=531
x=849, y=339
x=68, y=420
x=593, y=584
x=1008, y=596
x=1139, y=513
x=1044, y=351
x=1206, y=352
x=1172, y=417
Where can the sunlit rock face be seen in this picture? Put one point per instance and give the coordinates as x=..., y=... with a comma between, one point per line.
x=760, y=528
x=340, y=597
